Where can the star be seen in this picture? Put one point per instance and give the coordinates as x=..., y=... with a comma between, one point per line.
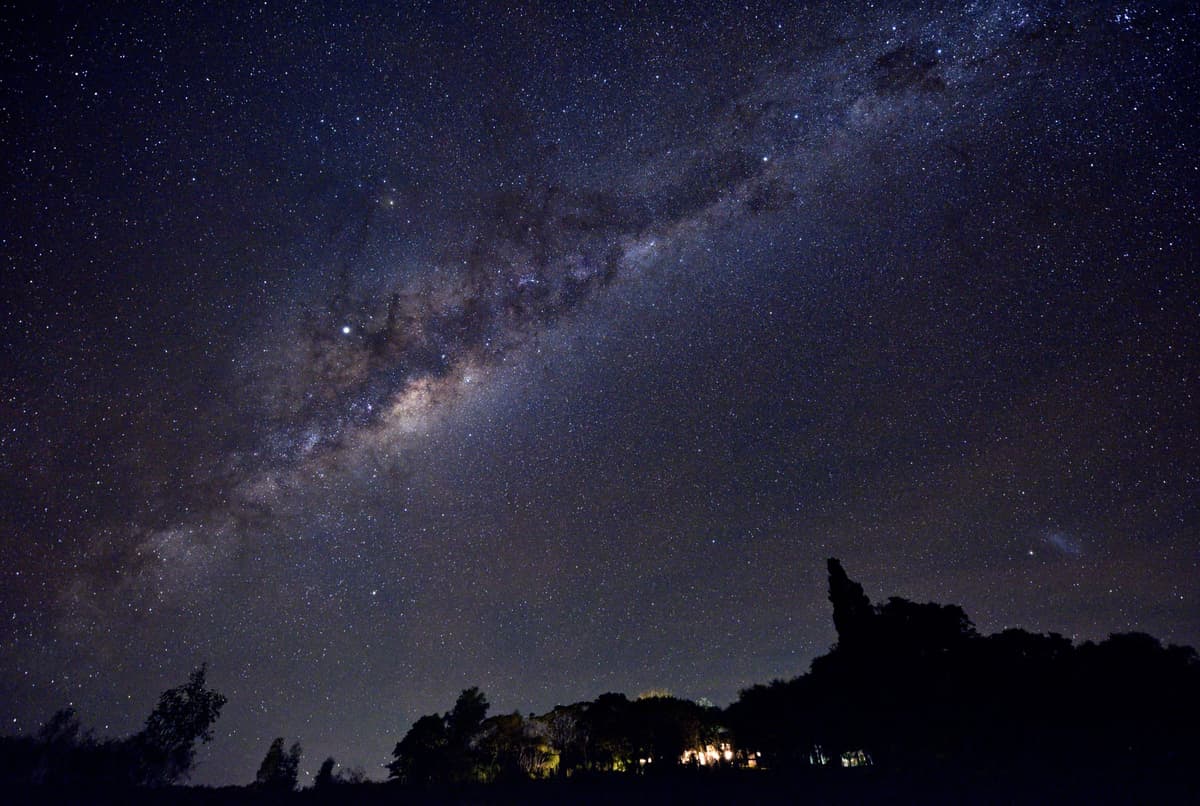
x=895, y=261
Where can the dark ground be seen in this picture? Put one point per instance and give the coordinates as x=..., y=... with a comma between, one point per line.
x=1164, y=784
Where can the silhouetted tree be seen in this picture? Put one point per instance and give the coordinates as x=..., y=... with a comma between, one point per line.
x=566, y=731
x=538, y=758
x=279, y=769
x=465, y=719
x=852, y=611
x=444, y=749
x=327, y=778
x=419, y=758
x=163, y=752
x=610, y=745
x=463, y=724
x=914, y=685
x=324, y=778
x=663, y=727
x=779, y=720
x=61, y=729
x=166, y=746
x=56, y=754
x=500, y=744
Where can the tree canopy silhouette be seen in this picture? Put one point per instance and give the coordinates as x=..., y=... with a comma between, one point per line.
x=184, y=715
x=163, y=752
x=279, y=769
x=911, y=688
x=914, y=685
x=324, y=777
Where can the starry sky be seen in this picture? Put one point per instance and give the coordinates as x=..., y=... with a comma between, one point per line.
x=371, y=351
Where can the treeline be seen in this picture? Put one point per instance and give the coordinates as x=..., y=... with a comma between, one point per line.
x=908, y=687
x=916, y=687
x=910, y=692
x=609, y=734
x=63, y=755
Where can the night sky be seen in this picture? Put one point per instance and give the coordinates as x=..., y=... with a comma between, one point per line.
x=369, y=353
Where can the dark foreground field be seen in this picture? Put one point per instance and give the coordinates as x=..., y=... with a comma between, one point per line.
x=1164, y=784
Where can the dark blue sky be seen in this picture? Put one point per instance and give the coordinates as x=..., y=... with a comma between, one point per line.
x=370, y=354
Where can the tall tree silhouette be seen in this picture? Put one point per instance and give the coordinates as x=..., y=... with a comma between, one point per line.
x=324, y=777
x=419, y=758
x=462, y=725
x=470, y=709
x=443, y=749
x=184, y=715
x=852, y=611
x=279, y=769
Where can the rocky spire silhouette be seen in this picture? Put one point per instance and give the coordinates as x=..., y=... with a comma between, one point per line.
x=852, y=610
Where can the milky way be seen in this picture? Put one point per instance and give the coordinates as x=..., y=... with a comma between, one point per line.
x=371, y=357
